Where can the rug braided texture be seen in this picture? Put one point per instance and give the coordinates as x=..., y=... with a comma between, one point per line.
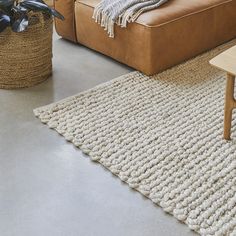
x=163, y=136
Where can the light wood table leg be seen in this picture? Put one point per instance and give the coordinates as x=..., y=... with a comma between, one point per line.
x=229, y=105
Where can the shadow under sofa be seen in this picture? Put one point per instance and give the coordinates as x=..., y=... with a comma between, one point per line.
x=159, y=39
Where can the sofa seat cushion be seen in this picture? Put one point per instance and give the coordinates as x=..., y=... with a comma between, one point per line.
x=172, y=10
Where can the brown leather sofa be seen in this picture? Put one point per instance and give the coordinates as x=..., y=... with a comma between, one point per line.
x=160, y=38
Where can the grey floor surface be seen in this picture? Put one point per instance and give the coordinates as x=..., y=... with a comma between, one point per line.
x=47, y=186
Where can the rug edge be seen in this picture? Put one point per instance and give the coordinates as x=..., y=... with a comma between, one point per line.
x=37, y=110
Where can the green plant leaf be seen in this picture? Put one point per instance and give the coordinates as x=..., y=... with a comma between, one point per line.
x=19, y=9
x=21, y=24
x=57, y=14
x=6, y=6
x=38, y=1
x=39, y=5
x=36, y=6
x=4, y=22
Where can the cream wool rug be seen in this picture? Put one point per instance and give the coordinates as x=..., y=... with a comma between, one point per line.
x=163, y=136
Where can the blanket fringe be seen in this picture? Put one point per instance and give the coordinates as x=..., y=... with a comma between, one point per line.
x=107, y=17
x=104, y=20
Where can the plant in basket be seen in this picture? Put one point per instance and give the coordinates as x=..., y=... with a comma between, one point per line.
x=15, y=13
x=25, y=42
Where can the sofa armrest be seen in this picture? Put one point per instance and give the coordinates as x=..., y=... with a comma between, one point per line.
x=66, y=28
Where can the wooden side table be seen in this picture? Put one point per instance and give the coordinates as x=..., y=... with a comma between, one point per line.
x=226, y=61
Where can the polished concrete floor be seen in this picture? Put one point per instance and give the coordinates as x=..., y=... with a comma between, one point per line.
x=47, y=186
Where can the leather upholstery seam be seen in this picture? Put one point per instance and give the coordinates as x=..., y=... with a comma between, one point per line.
x=187, y=15
x=170, y=21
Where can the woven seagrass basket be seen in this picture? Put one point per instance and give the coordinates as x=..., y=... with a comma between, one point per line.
x=26, y=57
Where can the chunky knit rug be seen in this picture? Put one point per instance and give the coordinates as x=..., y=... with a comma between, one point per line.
x=163, y=136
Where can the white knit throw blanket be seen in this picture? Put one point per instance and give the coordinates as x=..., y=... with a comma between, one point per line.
x=110, y=12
